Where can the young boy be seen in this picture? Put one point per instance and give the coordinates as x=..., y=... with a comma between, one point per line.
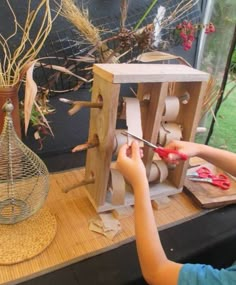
x=156, y=267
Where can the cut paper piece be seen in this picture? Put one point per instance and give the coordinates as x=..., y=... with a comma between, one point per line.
x=133, y=118
x=119, y=140
x=171, y=109
x=117, y=187
x=105, y=224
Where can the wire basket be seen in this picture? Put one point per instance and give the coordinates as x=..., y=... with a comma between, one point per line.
x=24, y=178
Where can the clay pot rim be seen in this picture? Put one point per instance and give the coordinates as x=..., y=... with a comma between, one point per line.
x=9, y=88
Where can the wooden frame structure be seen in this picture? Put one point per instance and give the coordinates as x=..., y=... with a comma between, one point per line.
x=153, y=82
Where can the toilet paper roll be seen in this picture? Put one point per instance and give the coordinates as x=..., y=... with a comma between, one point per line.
x=171, y=110
x=154, y=175
x=159, y=171
x=169, y=132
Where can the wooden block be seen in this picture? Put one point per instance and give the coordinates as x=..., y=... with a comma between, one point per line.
x=123, y=212
x=161, y=203
x=102, y=124
x=151, y=123
x=134, y=73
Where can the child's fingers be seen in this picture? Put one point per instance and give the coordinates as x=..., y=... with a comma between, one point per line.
x=123, y=150
x=135, y=150
x=173, y=158
x=141, y=152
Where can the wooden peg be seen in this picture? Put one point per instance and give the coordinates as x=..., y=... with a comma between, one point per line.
x=90, y=144
x=184, y=98
x=77, y=105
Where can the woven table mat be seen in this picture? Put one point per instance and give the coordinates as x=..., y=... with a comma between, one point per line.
x=26, y=239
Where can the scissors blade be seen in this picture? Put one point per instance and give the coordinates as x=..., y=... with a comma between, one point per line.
x=140, y=139
x=162, y=152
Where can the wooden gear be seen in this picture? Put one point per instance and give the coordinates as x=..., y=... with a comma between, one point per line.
x=153, y=81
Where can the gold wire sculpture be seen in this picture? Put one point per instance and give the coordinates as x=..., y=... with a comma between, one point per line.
x=24, y=178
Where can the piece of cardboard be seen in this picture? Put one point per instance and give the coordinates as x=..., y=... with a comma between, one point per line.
x=207, y=195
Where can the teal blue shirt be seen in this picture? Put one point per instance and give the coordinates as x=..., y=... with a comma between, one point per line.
x=200, y=274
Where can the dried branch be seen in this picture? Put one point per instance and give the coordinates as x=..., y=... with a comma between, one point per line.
x=182, y=8
x=123, y=12
x=212, y=94
x=79, y=18
x=13, y=64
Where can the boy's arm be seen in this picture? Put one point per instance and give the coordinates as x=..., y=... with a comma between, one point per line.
x=221, y=158
x=156, y=267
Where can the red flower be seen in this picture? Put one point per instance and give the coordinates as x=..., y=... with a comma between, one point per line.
x=186, y=31
x=187, y=45
x=212, y=28
x=183, y=35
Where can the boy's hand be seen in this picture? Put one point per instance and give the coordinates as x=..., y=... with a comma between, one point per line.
x=188, y=148
x=130, y=164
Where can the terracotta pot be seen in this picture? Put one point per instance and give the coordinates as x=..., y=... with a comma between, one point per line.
x=10, y=92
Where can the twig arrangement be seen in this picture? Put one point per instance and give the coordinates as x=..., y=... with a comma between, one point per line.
x=13, y=63
x=180, y=10
x=79, y=18
x=212, y=94
x=119, y=46
x=18, y=62
x=126, y=39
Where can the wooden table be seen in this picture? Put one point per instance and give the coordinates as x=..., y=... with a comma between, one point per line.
x=74, y=241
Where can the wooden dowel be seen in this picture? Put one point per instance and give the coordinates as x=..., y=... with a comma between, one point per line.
x=93, y=143
x=77, y=105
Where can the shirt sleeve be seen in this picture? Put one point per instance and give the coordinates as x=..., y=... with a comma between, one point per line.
x=200, y=274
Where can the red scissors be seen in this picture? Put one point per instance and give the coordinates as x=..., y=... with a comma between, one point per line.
x=161, y=151
x=203, y=174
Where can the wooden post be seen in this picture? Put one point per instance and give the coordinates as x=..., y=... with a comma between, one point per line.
x=102, y=124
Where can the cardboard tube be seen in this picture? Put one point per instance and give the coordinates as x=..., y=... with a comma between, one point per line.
x=168, y=132
x=154, y=175
x=162, y=168
x=171, y=109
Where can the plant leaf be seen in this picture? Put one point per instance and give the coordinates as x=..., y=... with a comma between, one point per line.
x=31, y=90
x=66, y=70
x=160, y=56
x=43, y=117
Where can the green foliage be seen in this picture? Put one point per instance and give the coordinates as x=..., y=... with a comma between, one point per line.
x=217, y=45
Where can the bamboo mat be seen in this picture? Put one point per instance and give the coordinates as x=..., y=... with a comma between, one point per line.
x=74, y=241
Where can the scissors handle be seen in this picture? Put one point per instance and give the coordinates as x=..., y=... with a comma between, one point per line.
x=223, y=183
x=204, y=172
x=164, y=152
